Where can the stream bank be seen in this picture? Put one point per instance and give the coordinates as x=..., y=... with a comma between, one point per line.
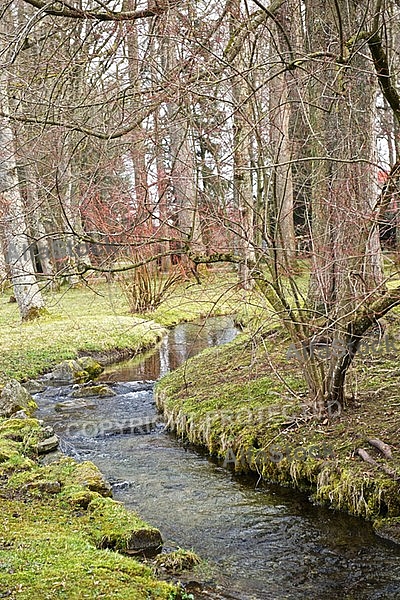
x=61, y=534
x=261, y=540
x=248, y=409
x=56, y=510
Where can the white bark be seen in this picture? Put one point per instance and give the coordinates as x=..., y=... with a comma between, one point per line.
x=26, y=289
x=23, y=277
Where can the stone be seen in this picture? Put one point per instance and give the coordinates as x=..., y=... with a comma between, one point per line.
x=44, y=487
x=46, y=431
x=146, y=542
x=14, y=398
x=119, y=529
x=88, y=475
x=71, y=405
x=84, y=391
x=80, y=370
x=21, y=414
x=48, y=445
x=91, y=366
x=67, y=372
x=51, y=457
x=34, y=387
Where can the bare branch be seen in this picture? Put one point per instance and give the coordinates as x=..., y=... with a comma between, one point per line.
x=71, y=12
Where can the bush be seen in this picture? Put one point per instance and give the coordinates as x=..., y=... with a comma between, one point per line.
x=145, y=287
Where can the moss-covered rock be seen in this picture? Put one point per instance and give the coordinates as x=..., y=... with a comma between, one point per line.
x=25, y=431
x=87, y=391
x=8, y=450
x=91, y=366
x=178, y=561
x=77, y=496
x=42, y=487
x=114, y=527
x=89, y=476
x=81, y=370
x=13, y=398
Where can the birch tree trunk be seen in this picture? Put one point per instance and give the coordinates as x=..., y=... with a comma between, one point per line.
x=26, y=289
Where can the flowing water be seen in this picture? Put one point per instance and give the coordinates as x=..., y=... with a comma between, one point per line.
x=263, y=542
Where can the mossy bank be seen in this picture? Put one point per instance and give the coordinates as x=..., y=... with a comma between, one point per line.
x=62, y=535
x=248, y=409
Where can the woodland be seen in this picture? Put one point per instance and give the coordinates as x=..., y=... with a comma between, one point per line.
x=159, y=137
x=200, y=158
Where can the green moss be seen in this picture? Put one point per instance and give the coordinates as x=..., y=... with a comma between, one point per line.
x=178, y=561
x=8, y=450
x=87, y=391
x=247, y=408
x=25, y=435
x=46, y=552
x=111, y=525
x=92, y=367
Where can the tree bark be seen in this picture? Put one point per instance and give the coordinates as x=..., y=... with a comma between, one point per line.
x=26, y=289
x=242, y=134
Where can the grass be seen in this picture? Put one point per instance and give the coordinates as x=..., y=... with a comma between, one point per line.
x=59, y=525
x=248, y=408
x=97, y=319
x=45, y=552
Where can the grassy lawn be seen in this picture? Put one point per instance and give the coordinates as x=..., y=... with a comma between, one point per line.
x=97, y=318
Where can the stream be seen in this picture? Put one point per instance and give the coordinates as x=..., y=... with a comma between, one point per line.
x=263, y=541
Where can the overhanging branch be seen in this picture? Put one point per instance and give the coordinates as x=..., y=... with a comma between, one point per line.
x=64, y=9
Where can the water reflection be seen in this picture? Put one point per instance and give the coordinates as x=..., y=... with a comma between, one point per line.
x=182, y=342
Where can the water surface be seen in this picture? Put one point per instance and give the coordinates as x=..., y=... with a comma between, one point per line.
x=265, y=542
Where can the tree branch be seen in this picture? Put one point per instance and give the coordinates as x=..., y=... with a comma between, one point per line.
x=71, y=12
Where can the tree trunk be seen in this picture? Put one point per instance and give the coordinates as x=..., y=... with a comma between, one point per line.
x=26, y=289
x=182, y=153
x=138, y=134
x=282, y=146
x=346, y=257
x=242, y=135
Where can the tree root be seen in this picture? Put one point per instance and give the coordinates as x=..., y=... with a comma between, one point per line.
x=368, y=458
x=382, y=447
